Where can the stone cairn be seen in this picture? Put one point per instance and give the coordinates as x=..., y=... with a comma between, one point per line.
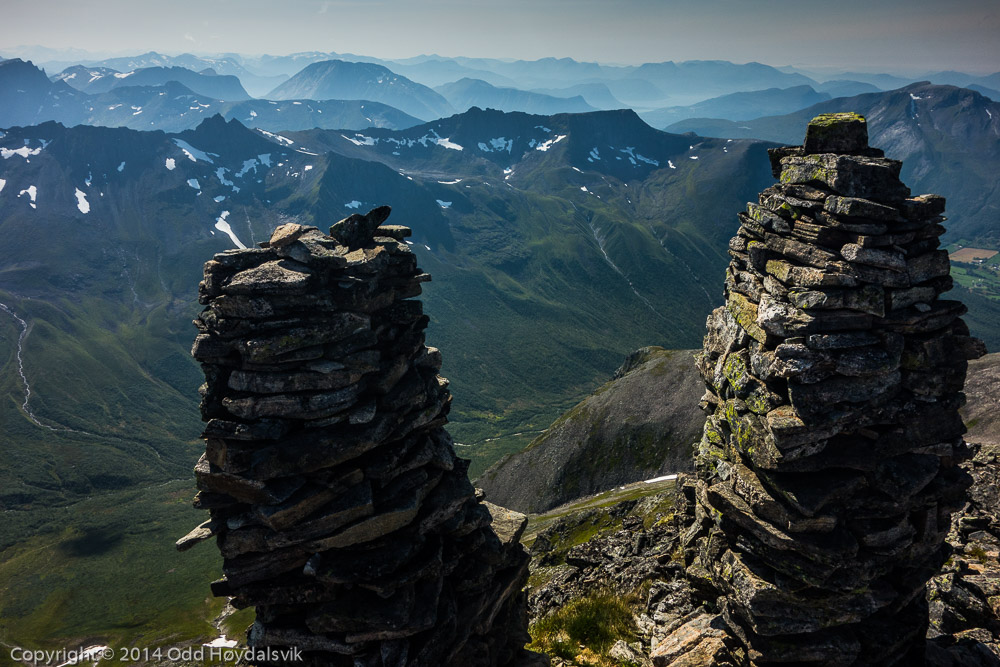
x=340, y=508
x=827, y=470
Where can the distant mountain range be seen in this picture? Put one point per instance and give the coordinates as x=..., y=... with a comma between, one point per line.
x=596, y=94
x=256, y=84
x=740, y=106
x=340, y=80
x=102, y=79
x=27, y=97
x=564, y=231
x=666, y=91
x=948, y=138
x=644, y=87
x=560, y=230
x=467, y=93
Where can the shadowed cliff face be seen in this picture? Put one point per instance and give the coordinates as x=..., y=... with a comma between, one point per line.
x=660, y=386
x=639, y=425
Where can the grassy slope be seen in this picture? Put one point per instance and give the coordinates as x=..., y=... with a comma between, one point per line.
x=105, y=571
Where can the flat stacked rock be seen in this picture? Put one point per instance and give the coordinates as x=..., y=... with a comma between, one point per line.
x=828, y=466
x=341, y=510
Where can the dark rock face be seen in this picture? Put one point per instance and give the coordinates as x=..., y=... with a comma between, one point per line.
x=964, y=598
x=341, y=510
x=828, y=468
x=639, y=425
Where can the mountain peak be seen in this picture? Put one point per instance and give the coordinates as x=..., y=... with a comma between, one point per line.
x=216, y=135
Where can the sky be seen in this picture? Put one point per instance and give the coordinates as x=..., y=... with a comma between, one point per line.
x=872, y=35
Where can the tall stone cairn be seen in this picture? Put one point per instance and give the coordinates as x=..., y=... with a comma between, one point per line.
x=827, y=472
x=340, y=508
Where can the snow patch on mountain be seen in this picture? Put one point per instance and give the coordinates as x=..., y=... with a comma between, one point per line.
x=354, y=203
x=224, y=227
x=277, y=137
x=170, y=164
x=32, y=193
x=447, y=143
x=193, y=153
x=193, y=182
x=220, y=173
x=497, y=144
x=362, y=140
x=247, y=166
x=633, y=156
x=81, y=201
x=2, y=184
x=222, y=642
x=444, y=204
x=121, y=167
x=546, y=145
x=25, y=151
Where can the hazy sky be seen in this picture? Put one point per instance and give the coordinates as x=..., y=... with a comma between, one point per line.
x=885, y=35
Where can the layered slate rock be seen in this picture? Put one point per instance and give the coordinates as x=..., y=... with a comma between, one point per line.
x=828, y=468
x=339, y=506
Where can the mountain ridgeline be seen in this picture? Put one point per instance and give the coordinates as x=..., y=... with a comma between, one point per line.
x=209, y=84
x=639, y=425
x=337, y=79
x=947, y=137
x=30, y=98
x=560, y=231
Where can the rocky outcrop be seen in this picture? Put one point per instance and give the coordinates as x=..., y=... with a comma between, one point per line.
x=340, y=508
x=828, y=468
x=964, y=598
x=632, y=551
x=639, y=425
x=982, y=413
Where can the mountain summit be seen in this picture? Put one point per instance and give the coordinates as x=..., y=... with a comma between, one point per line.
x=342, y=80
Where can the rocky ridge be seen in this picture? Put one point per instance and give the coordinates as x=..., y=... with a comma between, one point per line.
x=339, y=506
x=635, y=554
x=638, y=425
